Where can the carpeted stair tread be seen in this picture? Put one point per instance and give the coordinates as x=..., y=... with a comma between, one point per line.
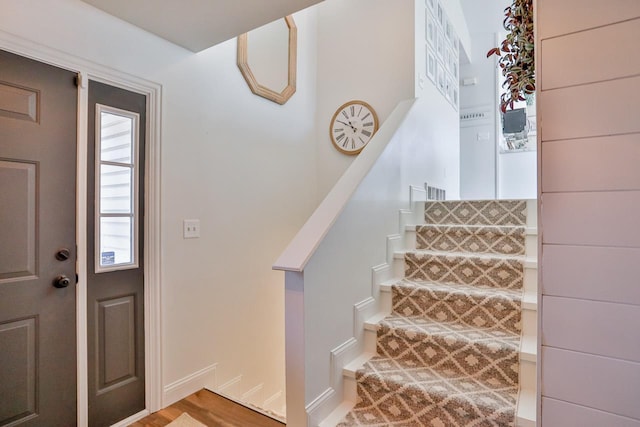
x=509, y=240
x=395, y=395
x=485, y=270
x=465, y=304
x=480, y=212
x=483, y=354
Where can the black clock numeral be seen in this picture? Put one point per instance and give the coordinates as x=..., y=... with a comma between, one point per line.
x=360, y=111
x=353, y=144
x=368, y=124
x=338, y=130
x=366, y=133
x=345, y=143
x=368, y=114
x=362, y=140
x=344, y=113
x=353, y=110
x=340, y=137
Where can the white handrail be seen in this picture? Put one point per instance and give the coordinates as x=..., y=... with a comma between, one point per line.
x=304, y=244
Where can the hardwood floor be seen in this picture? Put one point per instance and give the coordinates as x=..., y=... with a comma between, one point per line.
x=210, y=409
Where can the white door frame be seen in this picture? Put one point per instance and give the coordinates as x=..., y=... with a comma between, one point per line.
x=152, y=278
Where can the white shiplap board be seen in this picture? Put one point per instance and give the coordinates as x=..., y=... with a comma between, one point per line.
x=592, y=272
x=599, y=109
x=603, y=383
x=567, y=16
x=571, y=324
x=592, y=55
x=606, y=163
x=592, y=218
x=564, y=414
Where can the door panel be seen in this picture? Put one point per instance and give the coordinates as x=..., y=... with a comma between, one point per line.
x=18, y=219
x=38, y=121
x=115, y=285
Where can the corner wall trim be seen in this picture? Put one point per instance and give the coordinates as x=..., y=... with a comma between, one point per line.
x=190, y=384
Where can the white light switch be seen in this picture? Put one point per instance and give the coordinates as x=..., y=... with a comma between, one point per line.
x=191, y=228
x=483, y=136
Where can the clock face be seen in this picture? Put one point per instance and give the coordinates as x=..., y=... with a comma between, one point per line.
x=352, y=126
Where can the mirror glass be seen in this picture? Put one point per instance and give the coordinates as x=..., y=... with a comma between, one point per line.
x=268, y=54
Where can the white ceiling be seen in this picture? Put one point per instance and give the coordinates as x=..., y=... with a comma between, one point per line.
x=199, y=24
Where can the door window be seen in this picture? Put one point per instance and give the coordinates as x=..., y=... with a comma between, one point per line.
x=116, y=188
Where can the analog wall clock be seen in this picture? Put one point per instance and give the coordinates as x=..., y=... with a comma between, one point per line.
x=353, y=126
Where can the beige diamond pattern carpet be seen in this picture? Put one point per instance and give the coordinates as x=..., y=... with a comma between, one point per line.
x=448, y=354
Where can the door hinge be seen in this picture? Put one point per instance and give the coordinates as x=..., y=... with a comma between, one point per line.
x=81, y=80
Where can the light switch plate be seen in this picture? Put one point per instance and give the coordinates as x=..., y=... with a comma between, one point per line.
x=191, y=228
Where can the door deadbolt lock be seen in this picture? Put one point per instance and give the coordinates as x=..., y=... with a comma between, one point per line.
x=63, y=254
x=61, y=281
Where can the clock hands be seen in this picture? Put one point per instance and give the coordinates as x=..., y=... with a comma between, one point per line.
x=347, y=124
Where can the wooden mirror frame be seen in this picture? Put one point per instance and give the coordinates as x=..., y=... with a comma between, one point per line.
x=257, y=88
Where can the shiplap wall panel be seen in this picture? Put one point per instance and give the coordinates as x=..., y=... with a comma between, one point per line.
x=592, y=218
x=589, y=119
x=615, y=325
x=598, y=109
x=563, y=414
x=607, y=163
x=567, y=16
x=590, y=61
x=590, y=272
x=603, y=383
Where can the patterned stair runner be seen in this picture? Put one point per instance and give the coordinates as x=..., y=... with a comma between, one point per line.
x=448, y=354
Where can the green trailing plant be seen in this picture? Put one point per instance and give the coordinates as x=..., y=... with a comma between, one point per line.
x=517, y=53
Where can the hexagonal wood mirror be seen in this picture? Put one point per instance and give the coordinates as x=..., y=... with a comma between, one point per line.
x=268, y=61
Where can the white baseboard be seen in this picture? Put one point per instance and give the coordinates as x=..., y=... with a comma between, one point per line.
x=132, y=419
x=234, y=383
x=274, y=402
x=182, y=388
x=361, y=312
x=322, y=406
x=231, y=388
x=250, y=394
x=340, y=357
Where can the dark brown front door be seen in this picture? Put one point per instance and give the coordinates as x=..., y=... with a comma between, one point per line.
x=115, y=283
x=38, y=122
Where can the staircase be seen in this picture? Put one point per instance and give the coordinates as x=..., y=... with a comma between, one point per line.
x=456, y=343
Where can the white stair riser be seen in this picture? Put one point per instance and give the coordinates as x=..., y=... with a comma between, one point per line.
x=410, y=240
x=531, y=246
x=350, y=388
x=530, y=282
x=527, y=375
x=529, y=322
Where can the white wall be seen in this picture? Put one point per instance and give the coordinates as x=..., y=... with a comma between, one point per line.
x=589, y=198
x=445, y=129
x=365, y=51
x=478, y=149
x=243, y=165
x=329, y=263
x=339, y=273
x=518, y=175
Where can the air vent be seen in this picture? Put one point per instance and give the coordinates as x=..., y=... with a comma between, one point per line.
x=434, y=193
